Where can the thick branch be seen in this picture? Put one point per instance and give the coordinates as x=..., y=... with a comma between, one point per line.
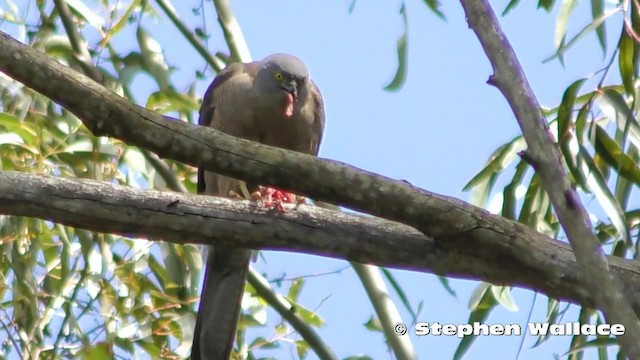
x=544, y=156
x=183, y=218
x=466, y=234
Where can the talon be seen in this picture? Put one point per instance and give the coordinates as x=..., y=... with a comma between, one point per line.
x=256, y=196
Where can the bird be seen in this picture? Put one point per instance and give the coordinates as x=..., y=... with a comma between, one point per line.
x=274, y=102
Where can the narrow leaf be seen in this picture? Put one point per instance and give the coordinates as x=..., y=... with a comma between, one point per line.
x=598, y=186
x=597, y=9
x=484, y=302
x=625, y=119
x=625, y=62
x=510, y=6
x=566, y=107
x=546, y=4
x=434, y=5
x=563, y=20
x=401, y=72
x=400, y=291
x=585, y=31
x=611, y=152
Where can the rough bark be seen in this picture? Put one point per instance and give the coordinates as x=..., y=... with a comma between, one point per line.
x=515, y=256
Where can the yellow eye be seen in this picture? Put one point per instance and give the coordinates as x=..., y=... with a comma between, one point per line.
x=278, y=76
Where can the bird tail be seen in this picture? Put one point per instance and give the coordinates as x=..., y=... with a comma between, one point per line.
x=220, y=302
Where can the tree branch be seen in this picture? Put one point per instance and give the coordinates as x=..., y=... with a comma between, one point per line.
x=548, y=267
x=238, y=49
x=545, y=158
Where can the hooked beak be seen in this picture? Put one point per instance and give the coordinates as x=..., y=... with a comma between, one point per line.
x=292, y=88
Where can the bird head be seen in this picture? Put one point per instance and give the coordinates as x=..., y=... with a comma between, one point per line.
x=281, y=80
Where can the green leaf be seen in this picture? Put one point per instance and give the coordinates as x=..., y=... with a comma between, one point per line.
x=565, y=109
x=509, y=200
x=599, y=343
x=563, y=20
x=124, y=19
x=444, y=281
x=626, y=62
x=400, y=291
x=352, y=6
x=579, y=339
x=570, y=149
x=170, y=101
x=500, y=159
x=27, y=132
x=502, y=294
x=83, y=11
x=552, y=317
x=481, y=304
x=479, y=299
x=598, y=186
x=624, y=187
x=546, y=4
x=401, y=72
x=612, y=153
x=153, y=59
x=307, y=315
x=585, y=31
x=510, y=6
x=581, y=121
x=295, y=289
x=302, y=348
x=530, y=206
x=101, y=351
x=597, y=9
x=434, y=5
x=483, y=182
x=373, y=324
x=614, y=106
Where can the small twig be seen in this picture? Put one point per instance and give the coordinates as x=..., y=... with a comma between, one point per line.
x=164, y=171
x=9, y=335
x=285, y=310
x=384, y=308
x=291, y=279
x=77, y=42
x=215, y=63
x=68, y=308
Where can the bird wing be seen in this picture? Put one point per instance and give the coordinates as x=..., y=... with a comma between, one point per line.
x=226, y=269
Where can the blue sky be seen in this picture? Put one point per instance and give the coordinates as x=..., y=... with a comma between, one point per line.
x=436, y=132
